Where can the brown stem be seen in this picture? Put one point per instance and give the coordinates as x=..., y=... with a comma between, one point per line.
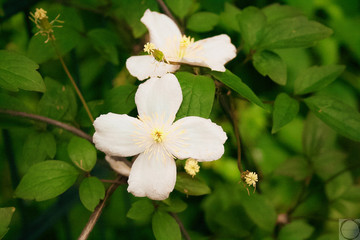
x=181, y=225
x=72, y=81
x=62, y=125
x=98, y=210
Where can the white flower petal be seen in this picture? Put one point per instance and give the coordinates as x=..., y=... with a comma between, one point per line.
x=152, y=175
x=159, y=97
x=143, y=67
x=212, y=52
x=118, y=135
x=118, y=165
x=196, y=137
x=162, y=31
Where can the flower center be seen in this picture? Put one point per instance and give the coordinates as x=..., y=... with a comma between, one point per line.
x=184, y=43
x=156, y=53
x=157, y=135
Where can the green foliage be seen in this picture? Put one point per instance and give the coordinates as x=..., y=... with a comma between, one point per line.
x=316, y=78
x=46, y=180
x=38, y=147
x=141, y=210
x=5, y=218
x=297, y=230
x=18, y=71
x=180, y=8
x=285, y=110
x=338, y=115
x=191, y=186
x=104, y=42
x=202, y=22
x=198, y=95
x=121, y=99
x=270, y=64
x=82, y=153
x=165, y=227
x=91, y=191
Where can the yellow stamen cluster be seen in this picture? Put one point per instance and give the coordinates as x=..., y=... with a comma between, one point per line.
x=186, y=41
x=250, y=178
x=149, y=48
x=156, y=53
x=192, y=167
x=158, y=135
x=42, y=23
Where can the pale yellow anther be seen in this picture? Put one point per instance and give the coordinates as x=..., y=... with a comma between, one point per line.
x=149, y=48
x=186, y=41
x=192, y=167
x=251, y=178
x=40, y=14
x=157, y=135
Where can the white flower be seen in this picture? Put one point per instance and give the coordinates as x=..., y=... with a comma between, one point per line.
x=166, y=37
x=157, y=138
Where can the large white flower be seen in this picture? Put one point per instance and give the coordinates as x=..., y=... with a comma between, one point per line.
x=166, y=37
x=157, y=138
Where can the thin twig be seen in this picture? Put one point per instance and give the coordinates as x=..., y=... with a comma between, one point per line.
x=166, y=10
x=59, y=124
x=72, y=81
x=98, y=210
x=110, y=181
x=181, y=225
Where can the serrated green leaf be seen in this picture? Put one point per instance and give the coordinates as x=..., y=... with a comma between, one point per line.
x=121, y=99
x=46, y=180
x=260, y=211
x=198, y=95
x=82, y=153
x=165, y=227
x=180, y=7
x=252, y=22
x=202, y=22
x=191, y=186
x=141, y=210
x=5, y=219
x=38, y=146
x=338, y=115
x=18, y=71
x=296, y=167
x=228, y=17
x=285, y=110
x=105, y=43
x=270, y=64
x=276, y=12
x=296, y=230
x=58, y=102
x=235, y=83
x=293, y=32
x=91, y=191
x=316, y=78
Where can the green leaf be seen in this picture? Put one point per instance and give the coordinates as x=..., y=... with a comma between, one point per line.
x=317, y=136
x=228, y=17
x=38, y=147
x=260, y=211
x=338, y=186
x=18, y=71
x=121, y=99
x=296, y=167
x=5, y=219
x=316, y=78
x=91, y=191
x=141, y=210
x=235, y=83
x=296, y=230
x=174, y=205
x=46, y=180
x=198, y=95
x=165, y=227
x=202, y=22
x=180, y=8
x=285, y=110
x=105, y=43
x=338, y=115
x=191, y=186
x=276, y=12
x=293, y=32
x=82, y=153
x=58, y=102
x=96, y=108
x=270, y=64
x=252, y=22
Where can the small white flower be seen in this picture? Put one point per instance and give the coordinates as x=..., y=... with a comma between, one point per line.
x=157, y=138
x=166, y=37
